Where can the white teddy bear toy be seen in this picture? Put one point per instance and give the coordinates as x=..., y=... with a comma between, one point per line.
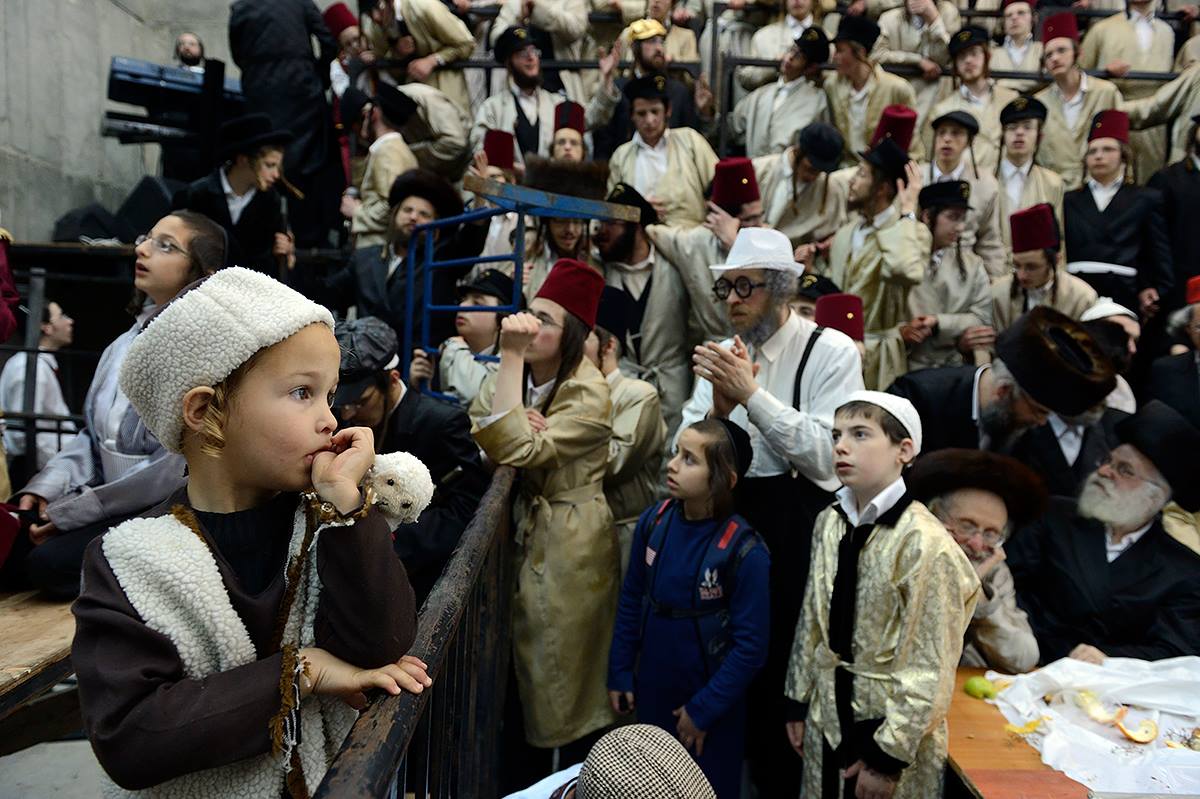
x=402, y=485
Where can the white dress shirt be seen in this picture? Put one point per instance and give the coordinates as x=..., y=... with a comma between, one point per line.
x=880, y=504
x=1070, y=438
x=786, y=439
x=1038, y=296
x=47, y=400
x=1013, y=179
x=1103, y=193
x=533, y=399
x=1016, y=52
x=945, y=177
x=797, y=26
x=1114, y=549
x=528, y=101
x=858, y=114
x=1074, y=106
x=783, y=90
x=1143, y=26
x=973, y=98
x=650, y=164
x=635, y=277
x=859, y=236
x=234, y=202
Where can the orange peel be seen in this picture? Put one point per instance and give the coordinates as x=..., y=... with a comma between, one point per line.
x=1145, y=732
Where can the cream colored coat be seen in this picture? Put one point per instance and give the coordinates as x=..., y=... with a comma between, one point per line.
x=959, y=298
x=769, y=43
x=1073, y=297
x=905, y=44
x=568, y=561
x=1031, y=61
x=635, y=454
x=1041, y=186
x=1179, y=99
x=887, y=90
x=1114, y=39
x=437, y=133
x=691, y=164
x=567, y=23
x=690, y=251
x=435, y=31
x=765, y=129
x=982, y=231
x=499, y=112
x=890, y=262
x=814, y=214
x=389, y=161
x=1063, y=147
x=999, y=636
x=680, y=43
x=987, y=142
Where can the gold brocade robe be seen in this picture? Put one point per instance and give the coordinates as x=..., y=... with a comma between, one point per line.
x=568, y=560
x=960, y=296
x=387, y=161
x=1063, y=147
x=986, y=146
x=691, y=164
x=888, y=89
x=1072, y=298
x=634, y=455
x=915, y=596
x=889, y=262
x=1031, y=61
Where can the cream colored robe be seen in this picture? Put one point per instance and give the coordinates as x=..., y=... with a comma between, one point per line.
x=568, y=561
x=388, y=162
x=987, y=142
x=959, y=298
x=499, y=112
x=1114, y=39
x=437, y=133
x=907, y=45
x=814, y=214
x=915, y=595
x=887, y=90
x=1042, y=186
x=691, y=251
x=1074, y=296
x=691, y=164
x=1063, y=147
x=999, y=636
x=982, y=231
x=1177, y=100
x=765, y=129
x=567, y=23
x=1031, y=62
x=435, y=31
x=770, y=42
x=1188, y=54
x=890, y=262
x=635, y=453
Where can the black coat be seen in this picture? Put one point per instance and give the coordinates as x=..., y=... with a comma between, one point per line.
x=607, y=138
x=1131, y=231
x=1039, y=450
x=271, y=42
x=1145, y=604
x=440, y=435
x=1175, y=379
x=251, y=239
x=943, y=399
x=1180, y=187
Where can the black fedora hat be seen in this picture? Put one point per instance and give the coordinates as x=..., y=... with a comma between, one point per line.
x=244, y=135
x=822, y=145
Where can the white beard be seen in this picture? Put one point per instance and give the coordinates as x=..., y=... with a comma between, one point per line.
x=1101, y=500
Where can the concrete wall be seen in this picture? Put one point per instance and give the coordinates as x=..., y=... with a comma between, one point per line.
x=54, y=57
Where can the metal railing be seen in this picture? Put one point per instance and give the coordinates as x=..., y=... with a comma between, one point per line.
x=444, y=742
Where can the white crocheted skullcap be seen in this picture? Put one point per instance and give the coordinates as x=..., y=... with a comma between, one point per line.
x=898, y=407
x=202, y=336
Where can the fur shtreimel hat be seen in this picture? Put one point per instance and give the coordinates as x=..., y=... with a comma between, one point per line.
x=204, y=334
x=946, y=471
x=586, y=179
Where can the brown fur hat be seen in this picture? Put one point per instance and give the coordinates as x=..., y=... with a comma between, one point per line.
x=948, y=470
x=586, y=179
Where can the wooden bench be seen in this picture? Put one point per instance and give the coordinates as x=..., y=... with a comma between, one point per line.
x=35, y=647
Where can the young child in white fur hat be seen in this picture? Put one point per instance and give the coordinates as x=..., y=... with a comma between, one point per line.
x=222, y=643
x=888, y=600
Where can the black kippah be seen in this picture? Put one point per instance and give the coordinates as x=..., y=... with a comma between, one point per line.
x=740, y=439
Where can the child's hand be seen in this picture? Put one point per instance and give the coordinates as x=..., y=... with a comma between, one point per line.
x=614, y=699
x=691, y=736
x=337, y=473
x=536, y=421
x=795, y=733
x=331, y=676
x=871, y=784
x=517, y=332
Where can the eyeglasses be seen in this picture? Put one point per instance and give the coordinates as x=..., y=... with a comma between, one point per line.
x=546, y=319
x=528, y=52
x=742, y=287
x=351, y=409
x=162, y=244
x=1125, y=469
x=966, y=530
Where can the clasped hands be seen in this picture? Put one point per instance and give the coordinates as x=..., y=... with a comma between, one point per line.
x=730, y=371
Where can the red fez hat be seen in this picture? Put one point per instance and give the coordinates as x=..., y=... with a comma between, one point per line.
x=499, y=146
x=576, y=287
x=1059, y=26
x=1193, y=290
x=569, y=115
x=1110, y=124
x=842, y=312
x=338, y=17
x=734, y=183
x=896, y=122
x=1034, y=228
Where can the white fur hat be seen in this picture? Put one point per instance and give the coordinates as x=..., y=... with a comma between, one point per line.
x=202, y=336
x=899, y=407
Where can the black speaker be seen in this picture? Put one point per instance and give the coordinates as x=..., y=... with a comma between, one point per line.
x=149, y=202
x=94, y=221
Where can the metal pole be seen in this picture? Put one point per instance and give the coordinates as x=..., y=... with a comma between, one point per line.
x=33, y=338
x=714, y=77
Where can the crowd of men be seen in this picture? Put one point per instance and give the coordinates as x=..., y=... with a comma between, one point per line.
x=1013, y=255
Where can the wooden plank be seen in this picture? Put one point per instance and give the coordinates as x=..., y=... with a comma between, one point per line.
x=544, y=203
x=37, y=636
x=992, y=763
x=50, y=718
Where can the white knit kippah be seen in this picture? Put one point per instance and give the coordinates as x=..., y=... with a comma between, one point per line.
x=899, y=407
x=202, y=336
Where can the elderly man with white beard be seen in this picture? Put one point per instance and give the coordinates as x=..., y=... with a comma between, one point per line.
x=1098, y=576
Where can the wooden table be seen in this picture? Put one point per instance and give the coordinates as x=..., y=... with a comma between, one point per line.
x=35, y=646
x=994, y=764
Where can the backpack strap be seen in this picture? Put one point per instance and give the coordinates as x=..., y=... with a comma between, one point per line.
x=816, y=334
x=654, y=541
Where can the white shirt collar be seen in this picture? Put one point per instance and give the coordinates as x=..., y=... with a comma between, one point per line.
x=884, y=501
x=1114, y=549
x=1008, y=169
x=788, y=86
x=1011, y=43
x=518, y=91
x=1083, y=87
x=382, y=140
x=973, y=98
x=537, y=393
x=1136, y=17
x=1096, y=185
x=881, y=218
x=798, y=26
x=228, y=189
x=661, y=147
x=772, y=348
x=939, y=175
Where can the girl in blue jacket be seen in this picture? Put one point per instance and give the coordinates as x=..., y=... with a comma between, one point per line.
x=693, y=619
